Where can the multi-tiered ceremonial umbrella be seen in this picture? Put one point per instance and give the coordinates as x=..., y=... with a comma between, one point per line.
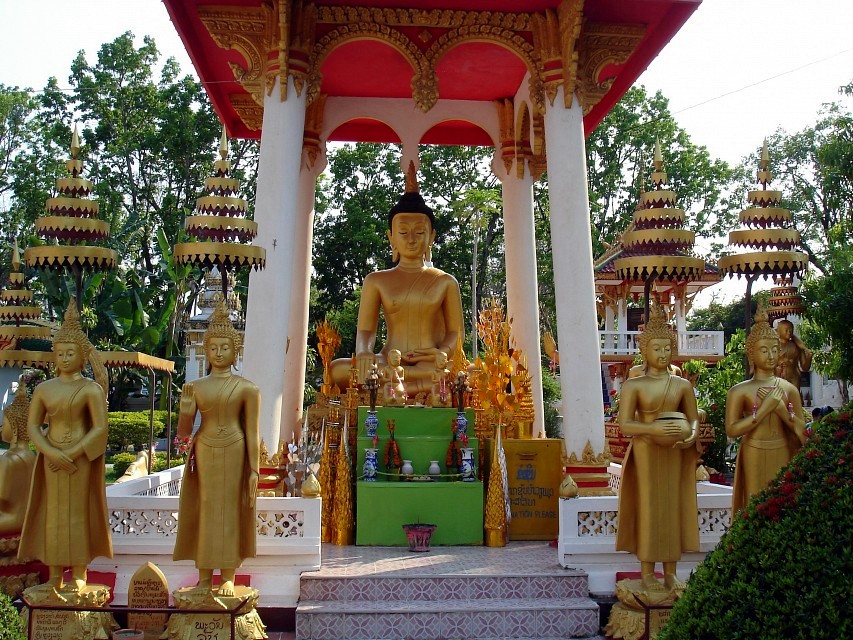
x=656, y=247
x=17, y=311
x=220, y=226
x=71, y=226
x=768, y=233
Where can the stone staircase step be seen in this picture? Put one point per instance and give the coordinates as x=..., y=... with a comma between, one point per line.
x=515, y=618
x=387, y=588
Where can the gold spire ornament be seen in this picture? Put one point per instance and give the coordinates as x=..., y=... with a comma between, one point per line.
x=768, y=233
x=16, y=308
x=71, y=225
x=343, y=534
x=219, y=225
x=657, y=247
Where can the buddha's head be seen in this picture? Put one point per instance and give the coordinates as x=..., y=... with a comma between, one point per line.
x=658, y=342
x=785, y=330
x=222, y=342
x=411, y=223
x=394, y=357
x=440, y=360
x=71, y=347
x=762, y=343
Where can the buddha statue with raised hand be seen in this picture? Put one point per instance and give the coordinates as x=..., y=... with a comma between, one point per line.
x=421, y=305
x=657, y=498
x=216, y=518
x=66, y=522
x=765, y=412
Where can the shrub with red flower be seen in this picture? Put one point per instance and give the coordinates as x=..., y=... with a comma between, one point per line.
x=783, y=569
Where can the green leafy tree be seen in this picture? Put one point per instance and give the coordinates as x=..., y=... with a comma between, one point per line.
x=826, y=327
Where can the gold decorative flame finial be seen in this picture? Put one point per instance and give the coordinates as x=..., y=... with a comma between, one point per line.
x=223, y=144
x=761, y=316
x=765, y=156
x=75, y=143
x=658, y=156
x=16, y=257
x=412, y=185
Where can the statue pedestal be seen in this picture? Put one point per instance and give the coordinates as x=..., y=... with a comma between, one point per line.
x=640, y=612
x=49, y=624
x=215, y=625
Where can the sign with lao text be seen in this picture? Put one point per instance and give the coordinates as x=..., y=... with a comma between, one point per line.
x=148, y=589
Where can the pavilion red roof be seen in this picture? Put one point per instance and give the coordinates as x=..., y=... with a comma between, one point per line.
x=475, y=70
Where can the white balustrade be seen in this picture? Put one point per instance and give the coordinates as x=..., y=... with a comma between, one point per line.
x=691, y=344
x=587, y=538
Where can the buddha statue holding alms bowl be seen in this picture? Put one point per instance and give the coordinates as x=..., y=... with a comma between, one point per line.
x=421, y=305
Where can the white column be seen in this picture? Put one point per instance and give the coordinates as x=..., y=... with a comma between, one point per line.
x=294, y=369
x=271, y=290
x=580, y=368
x=608, y=317
x=522, y=289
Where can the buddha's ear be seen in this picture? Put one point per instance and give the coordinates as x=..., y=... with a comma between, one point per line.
x=432, y=237
x=395, y=256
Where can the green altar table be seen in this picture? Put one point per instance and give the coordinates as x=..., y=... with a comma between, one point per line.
x=384, y=506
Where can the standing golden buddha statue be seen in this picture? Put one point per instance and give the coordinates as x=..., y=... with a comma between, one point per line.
x=216, y=523
x=766, y=412
x=657, y=499
x=66, y=522
x=16, y=467
x=794, y=357
x=421, y=305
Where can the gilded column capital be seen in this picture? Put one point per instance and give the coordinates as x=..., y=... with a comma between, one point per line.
x=602, y=45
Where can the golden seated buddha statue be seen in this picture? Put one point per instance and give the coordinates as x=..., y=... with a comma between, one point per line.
x=421, y=305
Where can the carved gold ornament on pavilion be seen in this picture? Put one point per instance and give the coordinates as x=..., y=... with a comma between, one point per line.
x=220, y=226
x=558, y=47
x=70, y=225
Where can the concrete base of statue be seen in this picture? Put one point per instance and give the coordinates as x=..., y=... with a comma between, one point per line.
x=628, y=616
x=215, y=625
x=48, y=624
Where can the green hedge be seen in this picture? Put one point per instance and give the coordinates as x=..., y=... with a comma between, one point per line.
x=784, y=568
x=132, y=428
x=120, y=462
x=11, y=625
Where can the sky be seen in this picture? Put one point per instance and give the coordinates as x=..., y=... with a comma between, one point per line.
x=737, y=71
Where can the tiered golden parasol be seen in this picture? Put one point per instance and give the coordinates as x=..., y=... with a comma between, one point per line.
x=784, y=299
x=656, y=246
x=17, y=310
x=70, y=225
x=220, y=227
x=768, y=232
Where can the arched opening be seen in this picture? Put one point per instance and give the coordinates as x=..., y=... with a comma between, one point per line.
x=457, y=132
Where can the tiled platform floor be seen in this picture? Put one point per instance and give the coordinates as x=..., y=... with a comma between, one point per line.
x=517, y=558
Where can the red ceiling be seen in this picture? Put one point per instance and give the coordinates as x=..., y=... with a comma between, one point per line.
x=473, y=71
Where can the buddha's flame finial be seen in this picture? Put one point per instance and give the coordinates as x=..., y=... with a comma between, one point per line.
x=223, y=144
x=412, y=185
x=764, y=175
x=75, y=143
x=16, y=257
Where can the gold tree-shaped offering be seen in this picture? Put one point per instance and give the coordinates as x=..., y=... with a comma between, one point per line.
x=656, y=245
x=220, y=227
x=769, y=233
x=328, y=341
x=16, y=308
x=496, y=372
x=69, y=227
